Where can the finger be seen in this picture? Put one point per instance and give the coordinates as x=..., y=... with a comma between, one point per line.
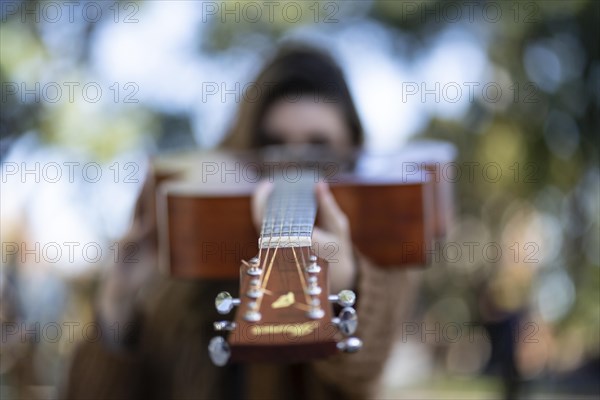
x=323, y=242
x=338, y=253
x=332, y=217
x=321, y=237
x=259, y=202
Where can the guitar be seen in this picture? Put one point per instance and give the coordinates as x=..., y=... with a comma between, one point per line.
x=284, y=311
x=397, y=204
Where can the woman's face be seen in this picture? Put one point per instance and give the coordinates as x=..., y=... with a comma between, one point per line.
x=307, y=121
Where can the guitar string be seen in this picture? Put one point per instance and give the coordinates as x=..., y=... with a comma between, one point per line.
x=270, y=267
x=304, y=260
x=304, y=275
x=299, y=268
x=290, y=233
x=266, y=280
x=297, y=264
x=268, y=273
x=262, y=232
x=302, y=280
x=266, y=218
x=272, y=220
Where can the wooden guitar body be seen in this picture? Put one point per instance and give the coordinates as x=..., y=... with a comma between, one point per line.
x=396, y=205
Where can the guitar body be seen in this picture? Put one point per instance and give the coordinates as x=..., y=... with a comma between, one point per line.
x=396, y=204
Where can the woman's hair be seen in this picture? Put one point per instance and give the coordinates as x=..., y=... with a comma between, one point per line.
x=295, y=71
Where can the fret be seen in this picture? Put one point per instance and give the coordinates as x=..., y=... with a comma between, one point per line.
x=289, y=215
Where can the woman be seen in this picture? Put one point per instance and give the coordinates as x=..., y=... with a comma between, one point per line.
x=165, y=355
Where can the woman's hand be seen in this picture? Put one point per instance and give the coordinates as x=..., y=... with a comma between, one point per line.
x=331, y=240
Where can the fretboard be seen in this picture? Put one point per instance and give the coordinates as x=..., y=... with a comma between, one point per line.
x=290, y=214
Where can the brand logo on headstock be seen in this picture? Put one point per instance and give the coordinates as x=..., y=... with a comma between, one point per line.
x=290, y=330
x=284, y=300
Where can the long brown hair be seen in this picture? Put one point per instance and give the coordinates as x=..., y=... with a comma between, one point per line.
x=296, y=70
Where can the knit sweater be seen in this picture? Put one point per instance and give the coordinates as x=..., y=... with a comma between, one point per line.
x=170, y=358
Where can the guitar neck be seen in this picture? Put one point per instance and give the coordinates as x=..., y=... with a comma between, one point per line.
x=290, y=214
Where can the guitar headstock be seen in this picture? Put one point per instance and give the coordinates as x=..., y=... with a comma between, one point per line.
x=285, y=311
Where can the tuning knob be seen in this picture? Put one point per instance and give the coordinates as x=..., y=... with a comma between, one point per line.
x=313, y=267
x=254, y=291
x=224, y=303
x=224, y=325
x=252, y=315
x=219, y=351
x=347, y=321
x=254, y=267
x=315, y=311
x=313, y=286
x=350, y=345
x=345, y=298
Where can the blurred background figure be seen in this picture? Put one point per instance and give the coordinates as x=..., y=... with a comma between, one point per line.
x=509, y=306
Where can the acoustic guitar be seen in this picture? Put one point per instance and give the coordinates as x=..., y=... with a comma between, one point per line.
x=397, y=204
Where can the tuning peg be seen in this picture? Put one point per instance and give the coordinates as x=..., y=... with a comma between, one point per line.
x=347, y=321
x=313, y=267
x=315, y=311
x=345, y=298
x=224, y=302
x=350, y=345
x=252, y=315
x=224, y=325
x=219, y=351
x=255, y=290
x=313, y=286
x=253, y=267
